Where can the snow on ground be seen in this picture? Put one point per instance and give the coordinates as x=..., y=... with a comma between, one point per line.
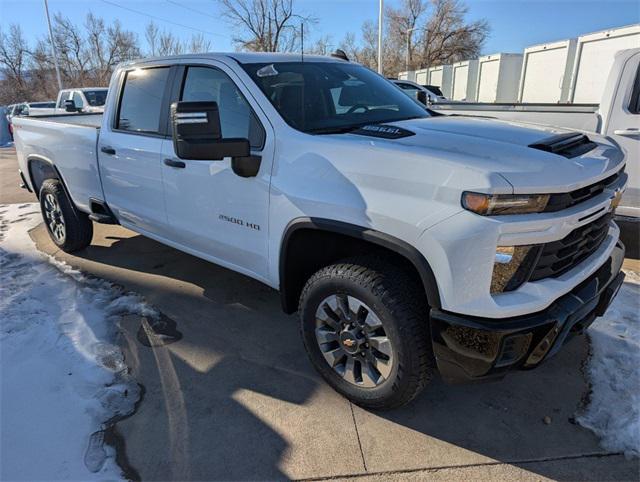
x=613, y=370
x=62, y=376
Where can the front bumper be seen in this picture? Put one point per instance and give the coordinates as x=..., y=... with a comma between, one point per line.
x=470, y=348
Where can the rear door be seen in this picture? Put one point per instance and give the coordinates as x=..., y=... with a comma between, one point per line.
x=212, y=211
x=130, y=147
x=624, y=127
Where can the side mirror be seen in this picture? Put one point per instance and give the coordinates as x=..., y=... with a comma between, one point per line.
x=197, y=134
x=70, y=105
x=422, y=97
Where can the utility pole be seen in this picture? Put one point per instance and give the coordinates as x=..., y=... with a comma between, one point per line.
x=380, y=19
x=53, y=46
x=408, y=59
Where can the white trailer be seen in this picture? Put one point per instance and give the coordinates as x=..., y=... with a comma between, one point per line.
x=498, y=77
x=463, y=80
x=440, y=76
x=407, y=75
x=421, y=76
x=595, y=53
x=546, y=72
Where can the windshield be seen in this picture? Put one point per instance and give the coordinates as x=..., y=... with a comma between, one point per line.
x=326, y=97
x=96, y=98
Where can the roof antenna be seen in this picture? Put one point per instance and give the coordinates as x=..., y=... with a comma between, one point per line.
x=302, y=39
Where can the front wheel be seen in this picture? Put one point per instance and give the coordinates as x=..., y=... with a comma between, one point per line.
x=70, y=229
x=364, y=324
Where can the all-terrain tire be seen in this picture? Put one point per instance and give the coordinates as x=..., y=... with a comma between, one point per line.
x=399, y=302
x=70, y=229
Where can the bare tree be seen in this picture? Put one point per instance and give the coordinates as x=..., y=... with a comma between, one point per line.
x=14, y=52
x=109, y=46
x=199, y=44
x=165, y=43
x=265, y=25
x=439, y=31
x=448, y=38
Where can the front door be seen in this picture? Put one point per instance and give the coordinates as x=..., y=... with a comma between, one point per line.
x=211, y=211
x=624, y=127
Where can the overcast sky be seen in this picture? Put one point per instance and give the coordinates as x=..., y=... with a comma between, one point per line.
x=515, y=24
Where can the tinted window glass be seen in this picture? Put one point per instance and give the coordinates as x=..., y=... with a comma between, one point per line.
x=634, y=105
x=77, y=100
x=325, y=97
x=236, y=117
x=141, y=103
x=96, y=98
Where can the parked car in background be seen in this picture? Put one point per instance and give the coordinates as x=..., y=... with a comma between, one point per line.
x=28, y=109
x=86, y=99
x=617, y=116
x=425, y=94
x=407, y=241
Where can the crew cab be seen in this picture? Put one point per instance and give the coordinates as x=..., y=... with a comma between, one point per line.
x=86, y=99
x=408, y=242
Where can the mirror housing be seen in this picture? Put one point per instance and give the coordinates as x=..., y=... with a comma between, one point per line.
x=70, y=106
x=422, y=97
x=197, y=134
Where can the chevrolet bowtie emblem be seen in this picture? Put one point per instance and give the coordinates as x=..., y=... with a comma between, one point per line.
x=349, y=342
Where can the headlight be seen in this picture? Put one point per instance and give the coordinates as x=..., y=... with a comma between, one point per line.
x=494, y=204
x=513, y=266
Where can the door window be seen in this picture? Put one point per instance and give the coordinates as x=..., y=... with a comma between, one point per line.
x=236, y=117
x=141, y=101
x=77, y=100
x=63, y=96
x=634, y=105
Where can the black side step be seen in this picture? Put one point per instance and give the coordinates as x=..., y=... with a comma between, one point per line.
x=100, y=212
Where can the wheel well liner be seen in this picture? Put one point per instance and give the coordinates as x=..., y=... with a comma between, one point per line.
x=291, y=285
x=39, y=170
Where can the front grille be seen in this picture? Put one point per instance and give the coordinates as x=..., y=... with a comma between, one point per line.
x=561, y=201
x=558, y=257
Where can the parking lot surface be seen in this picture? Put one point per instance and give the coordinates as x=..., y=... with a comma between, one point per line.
x=236, y=398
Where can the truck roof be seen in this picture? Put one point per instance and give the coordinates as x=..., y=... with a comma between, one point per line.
x=244, y=57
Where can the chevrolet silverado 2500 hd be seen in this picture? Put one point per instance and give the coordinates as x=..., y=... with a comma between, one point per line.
x=408, y=242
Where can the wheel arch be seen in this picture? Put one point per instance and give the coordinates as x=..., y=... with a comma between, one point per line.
x=293, y=276
x=40, y=169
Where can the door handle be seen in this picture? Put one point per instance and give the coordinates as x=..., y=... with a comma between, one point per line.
x=174, y=163
x=633, y=132
x=108, y=150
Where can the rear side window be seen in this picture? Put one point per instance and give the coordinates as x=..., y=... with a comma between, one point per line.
x=141, y=100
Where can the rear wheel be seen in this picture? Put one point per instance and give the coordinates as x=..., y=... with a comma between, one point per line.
x=69, y=228
x=364, y=323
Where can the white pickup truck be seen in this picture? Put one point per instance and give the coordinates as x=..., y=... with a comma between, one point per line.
x=408, y=242
x=617, y=117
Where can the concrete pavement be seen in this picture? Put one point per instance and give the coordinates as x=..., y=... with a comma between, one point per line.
x=236, y=398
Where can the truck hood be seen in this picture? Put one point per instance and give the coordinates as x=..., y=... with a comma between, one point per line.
x=502, y=147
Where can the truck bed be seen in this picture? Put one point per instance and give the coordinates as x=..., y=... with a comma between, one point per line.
x=88, y=120
x=582, y=117
x=68, y=141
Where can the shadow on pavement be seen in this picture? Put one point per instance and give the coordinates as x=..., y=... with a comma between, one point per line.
x=201, y=417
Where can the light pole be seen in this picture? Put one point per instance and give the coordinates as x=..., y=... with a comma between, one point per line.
x=406, y=64
x=53, y=45
x=380, y=18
